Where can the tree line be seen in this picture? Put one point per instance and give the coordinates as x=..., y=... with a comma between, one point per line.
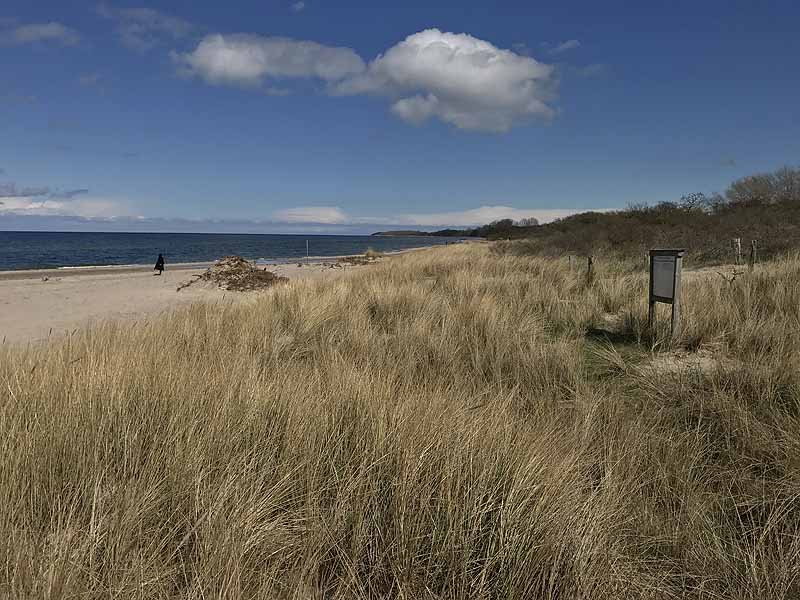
x=763, y=207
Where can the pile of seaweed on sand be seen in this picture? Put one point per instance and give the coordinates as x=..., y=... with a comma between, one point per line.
x=236, y=274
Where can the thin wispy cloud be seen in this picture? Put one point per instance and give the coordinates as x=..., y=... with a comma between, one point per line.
x=591, y=70
x=455, y=78
x=564, y=47
x=17, y=98
x=143, y=29
x=10, y=190
x=69, y=194
x=39, y=33
x=61, y=124
x=298, y=6
x=89, y=79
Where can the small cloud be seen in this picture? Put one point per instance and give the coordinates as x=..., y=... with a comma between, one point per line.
x=564, y=46
x=728, y=162
x=39, y=33
x=143, y=29
x=248, y=60
x=89, y=79
x=298, y=6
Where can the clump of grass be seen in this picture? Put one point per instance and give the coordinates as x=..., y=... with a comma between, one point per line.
x=425, y=429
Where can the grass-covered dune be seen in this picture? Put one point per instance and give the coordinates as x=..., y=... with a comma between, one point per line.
x=446, y=424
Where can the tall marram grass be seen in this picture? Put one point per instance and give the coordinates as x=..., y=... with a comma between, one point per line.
x=435, y=426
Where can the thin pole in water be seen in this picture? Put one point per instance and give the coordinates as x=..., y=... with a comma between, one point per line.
x=306, y=250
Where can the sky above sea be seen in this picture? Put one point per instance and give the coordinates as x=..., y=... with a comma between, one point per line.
x=313, y=116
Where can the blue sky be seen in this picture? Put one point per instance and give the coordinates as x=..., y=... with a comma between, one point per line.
x=323, y=116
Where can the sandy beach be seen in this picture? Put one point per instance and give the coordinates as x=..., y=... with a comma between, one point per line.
x=38, y=304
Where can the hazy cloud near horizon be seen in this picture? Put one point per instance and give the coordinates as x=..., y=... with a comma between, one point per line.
x=42, y=201
x=98, y=215
x=334, y=215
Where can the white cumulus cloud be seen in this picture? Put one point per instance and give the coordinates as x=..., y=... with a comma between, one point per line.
x=454, y=77
x=245, y=59
x=459, y=79
x=40, y=32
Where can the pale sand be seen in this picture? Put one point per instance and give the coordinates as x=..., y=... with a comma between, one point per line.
x=32, y=309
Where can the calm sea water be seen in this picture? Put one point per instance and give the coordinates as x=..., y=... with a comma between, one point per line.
x=40, y=250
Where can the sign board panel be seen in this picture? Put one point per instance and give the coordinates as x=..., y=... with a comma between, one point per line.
x=665, y=284
x=664, y=276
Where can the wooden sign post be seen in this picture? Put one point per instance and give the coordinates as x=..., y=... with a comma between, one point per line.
x=665, y=285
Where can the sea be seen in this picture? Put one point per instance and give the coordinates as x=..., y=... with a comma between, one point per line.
x=48, y=250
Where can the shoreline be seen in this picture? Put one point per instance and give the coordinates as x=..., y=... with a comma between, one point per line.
x=73, y=271
x=37, y=305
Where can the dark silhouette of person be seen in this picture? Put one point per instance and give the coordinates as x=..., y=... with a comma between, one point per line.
x=159, y=264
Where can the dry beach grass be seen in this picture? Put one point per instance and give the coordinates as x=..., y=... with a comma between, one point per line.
x=448, y=424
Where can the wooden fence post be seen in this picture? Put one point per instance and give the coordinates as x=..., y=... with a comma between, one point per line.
x=753, y=254
x=737, y=250
x=590, y=271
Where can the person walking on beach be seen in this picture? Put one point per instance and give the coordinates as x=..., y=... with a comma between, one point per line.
x=159, y=264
